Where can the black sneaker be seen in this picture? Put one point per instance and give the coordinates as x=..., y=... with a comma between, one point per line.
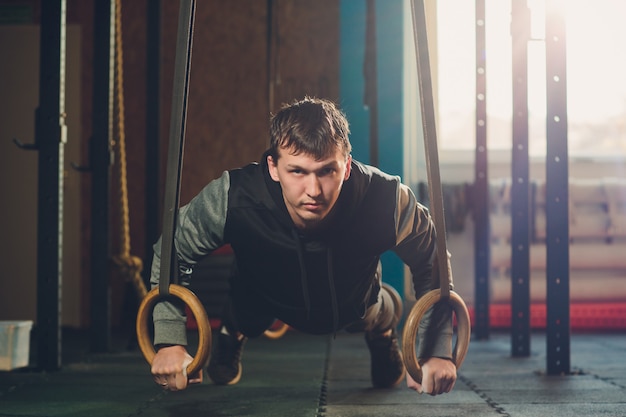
x=225, y=364
x=386, y=359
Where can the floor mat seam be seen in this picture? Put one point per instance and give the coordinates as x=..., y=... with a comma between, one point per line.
x=490, y=401
x=322, y=401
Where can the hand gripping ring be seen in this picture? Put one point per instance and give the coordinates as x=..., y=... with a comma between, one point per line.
x=411, y=327
x=196, y=307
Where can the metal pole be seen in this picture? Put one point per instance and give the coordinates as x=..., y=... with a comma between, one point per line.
x=153, y=88
x=557, y=197
x=50, y=138
x=520, y=190
x=100, y=163
x=481, y=185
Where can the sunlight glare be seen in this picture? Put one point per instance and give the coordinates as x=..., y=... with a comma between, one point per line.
x=596, y=87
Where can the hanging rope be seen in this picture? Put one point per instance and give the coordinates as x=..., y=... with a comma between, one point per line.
x=129, y=266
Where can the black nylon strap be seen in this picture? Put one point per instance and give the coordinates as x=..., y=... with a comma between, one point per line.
x=182, y=67
x=430, y=141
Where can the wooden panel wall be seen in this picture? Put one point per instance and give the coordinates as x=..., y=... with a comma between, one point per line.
x=229, y=102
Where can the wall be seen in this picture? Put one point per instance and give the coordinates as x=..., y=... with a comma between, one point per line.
x=244, y=66
x=19, y=83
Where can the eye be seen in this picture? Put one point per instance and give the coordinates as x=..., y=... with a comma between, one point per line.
x=327, y=171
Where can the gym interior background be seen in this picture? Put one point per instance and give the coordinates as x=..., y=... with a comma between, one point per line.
x=228, y=115
x=249, y=57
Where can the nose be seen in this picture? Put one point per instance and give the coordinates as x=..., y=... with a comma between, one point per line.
x=313, y=186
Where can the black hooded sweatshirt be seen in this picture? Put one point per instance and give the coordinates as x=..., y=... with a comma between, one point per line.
x=318, y=282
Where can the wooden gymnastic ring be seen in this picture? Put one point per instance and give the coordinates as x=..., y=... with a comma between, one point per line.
x=411, y=327
x=204, y=328
x=277, y=330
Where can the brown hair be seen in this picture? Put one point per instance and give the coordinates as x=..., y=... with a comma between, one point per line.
x=312, y=126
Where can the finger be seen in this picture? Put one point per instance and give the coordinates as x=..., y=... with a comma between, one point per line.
x=180, y=383
x=452, y=385
x=427, y=386
x=160, y=382
x=419, y=389
x=448, y=385
x=181, y=379
x=442, y=386
x=412, y=384
x=196, y=378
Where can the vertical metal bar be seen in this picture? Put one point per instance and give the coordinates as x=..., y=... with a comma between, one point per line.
x=50, y=136
x=100, y=162
x=557, y=195
x=520, y=190
x=151, y=219
x=481, y=185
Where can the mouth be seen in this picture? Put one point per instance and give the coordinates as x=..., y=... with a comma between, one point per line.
x=312, y=206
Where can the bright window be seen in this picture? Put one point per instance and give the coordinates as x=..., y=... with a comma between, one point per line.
x=596, y=65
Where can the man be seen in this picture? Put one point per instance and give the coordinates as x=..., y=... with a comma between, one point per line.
x=307, y=226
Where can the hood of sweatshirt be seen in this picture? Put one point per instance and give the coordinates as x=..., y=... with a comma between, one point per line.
x=349, y=199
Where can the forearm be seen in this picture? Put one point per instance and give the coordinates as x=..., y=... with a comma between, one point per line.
x=435, y=332
x=169, y=315
x=416, y=246
x=199, y=231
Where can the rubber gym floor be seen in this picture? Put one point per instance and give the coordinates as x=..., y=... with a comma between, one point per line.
x=304, y=375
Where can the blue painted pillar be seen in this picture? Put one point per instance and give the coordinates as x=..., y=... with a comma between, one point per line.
x=351, y=78
x=389, y=64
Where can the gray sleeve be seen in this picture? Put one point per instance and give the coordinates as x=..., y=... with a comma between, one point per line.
x=416, y=246
x=199, y=231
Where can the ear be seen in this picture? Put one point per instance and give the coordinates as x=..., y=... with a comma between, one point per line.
x=348, y=168
x=273, y=168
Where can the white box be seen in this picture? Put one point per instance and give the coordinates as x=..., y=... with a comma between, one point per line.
x=14, y=344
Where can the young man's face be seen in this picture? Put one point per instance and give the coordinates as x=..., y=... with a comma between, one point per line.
x=310, y=188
